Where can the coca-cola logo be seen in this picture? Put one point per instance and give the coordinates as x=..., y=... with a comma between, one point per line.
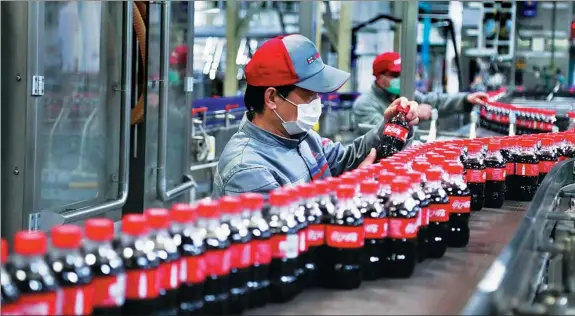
x=246, y=254
x=35, y=309
x=461, y=204
x=411, y=228
x=371, y=228
x=315, y=234
x=439, y=213
x=393, y=129
x=340, y=237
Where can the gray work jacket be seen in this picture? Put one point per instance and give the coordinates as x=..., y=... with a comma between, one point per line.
x=255, y=160
x=368, y=108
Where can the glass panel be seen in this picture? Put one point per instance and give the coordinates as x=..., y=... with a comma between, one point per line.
x=78, y=116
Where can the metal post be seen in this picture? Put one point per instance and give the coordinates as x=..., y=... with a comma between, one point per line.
x=230, y=79
x=307, y=19
x=344, y=40
x=408, y=48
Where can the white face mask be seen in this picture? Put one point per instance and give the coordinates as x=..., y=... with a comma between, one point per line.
x=307, y=116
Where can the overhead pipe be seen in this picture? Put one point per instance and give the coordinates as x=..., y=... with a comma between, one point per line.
x=163, y=194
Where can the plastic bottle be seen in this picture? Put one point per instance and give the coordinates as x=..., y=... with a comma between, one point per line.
x=375, y=226
x=475, y=175
x=297, y=212
x=394, y=134
x=36, y=283
x=459, y=206
x=10, y=294
x=402, y=214
x=317, y=231
x=526, y=170
x=345, y=238
x=312, y=215
x=509, y=154
x=261, y=250
x=496, y=174
x=438, y=213
x=285, y=248
x=547, y=156
x=417, y=181
x=189, y=238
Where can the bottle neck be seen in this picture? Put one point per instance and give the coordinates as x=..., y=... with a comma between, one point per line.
x=91, y=245
x=345, y=204
x=369, y=197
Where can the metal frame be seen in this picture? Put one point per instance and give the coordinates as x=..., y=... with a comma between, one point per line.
x=408, y=48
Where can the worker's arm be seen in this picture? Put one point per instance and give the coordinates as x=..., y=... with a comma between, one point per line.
x=446, y=104
x=367, y=111
x=245, y=178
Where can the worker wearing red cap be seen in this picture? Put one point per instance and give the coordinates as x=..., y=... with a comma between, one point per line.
x=275, y=144
x=368, y=107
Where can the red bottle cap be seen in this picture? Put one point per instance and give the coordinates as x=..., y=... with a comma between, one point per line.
x=279, y=198
x=433, y=175
x=307, y=190
x=400, y=185
x=451, y=154
x=99, y=229
x=253, y=201
x=158, y=218
x=454, y=169
x=547, y=141
x=414, y=177
x=322, y=187
x=420, y=165
x=30, y=243
x=474, y=147
x=371, y=171
x=345, y=191
x=134, y=225
x=386, y=177
x=525, y=142
x=494, y=145
x=369, y=187
x=436, y=159
x=66, y=236
x=230, y=205
x=333, y=183
x=401, y=108
x=208, y=208
x=183, y=213
x=4, y=251
x=349, y=179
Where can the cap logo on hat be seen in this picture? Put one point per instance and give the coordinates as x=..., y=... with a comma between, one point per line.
x=397, y=61
x=313, y=58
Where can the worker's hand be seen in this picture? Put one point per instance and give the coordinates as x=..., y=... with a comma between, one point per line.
x=425, y=111
x=412, y=116
x=370, y=159
x=477, y=97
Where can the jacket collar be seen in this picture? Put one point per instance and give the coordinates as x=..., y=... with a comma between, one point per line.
x=264, y=136
x=381, y=93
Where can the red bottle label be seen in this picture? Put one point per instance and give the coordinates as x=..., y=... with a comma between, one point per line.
x=11, y=309
x=285, y=246
x=527, y=169
x=426, y=216
x=510, y=168
x=403, y=228
x=438, y=213
x=77, y=300
x=475, y=176
x=218, y=262
x=545, y=166
x=460, y=204
x=241, y=255
x=37, y=304
x=109, y=291
x=302, y=238
x=315, y=235
x=338, y=236
x=193, y=269
x=561, y=158
x=375, y=228
x=169, y=276
x=142, y=284
x=396, y=131
x=261, y=252
x=496, y=174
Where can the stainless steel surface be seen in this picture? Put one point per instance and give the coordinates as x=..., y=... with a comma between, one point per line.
x=408, y=49
x=439, y=287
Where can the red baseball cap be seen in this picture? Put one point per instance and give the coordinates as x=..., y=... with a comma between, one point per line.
x=179, y=55
x=390, y=61
x=293, y=60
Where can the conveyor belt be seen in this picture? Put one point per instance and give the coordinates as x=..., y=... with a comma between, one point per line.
x=438, y=287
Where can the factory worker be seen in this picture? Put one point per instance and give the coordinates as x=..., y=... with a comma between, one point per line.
x=275, y=144
x=369, y=106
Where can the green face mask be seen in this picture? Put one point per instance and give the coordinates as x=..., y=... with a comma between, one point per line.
x=394, y=85
x=174, y=77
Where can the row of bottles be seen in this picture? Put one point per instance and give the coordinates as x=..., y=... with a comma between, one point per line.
x=495, y=116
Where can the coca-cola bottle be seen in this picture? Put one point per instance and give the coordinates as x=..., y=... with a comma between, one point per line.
x=32, y=276
x=71, y=270
x=547, y=156
x=167, y=251
x=475, y=175
x=285, y=248
x=241, y=254
x=394, y=134
x=375, y=226
x=509, y=154
x=189, y=237
x=109, y=277
x=142, y=264
x=526, y=170
x=438, y=213
x=317, y=231
x=10, y=294
x=417, y=181
x=217, y=257
x=496, y=173
x=459, y=206
x=345, y=238
x=299, y=216
x=560, y=145
x=312, y=215
x=402, y=213
x=261, y=250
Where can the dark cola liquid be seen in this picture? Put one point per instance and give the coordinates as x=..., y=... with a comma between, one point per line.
x=192, y=248
x=423, y=233
x=460, y=201
x=547, y=159
x=345, y=228
x=375, y=252
x=285, y=245
x=261, y=249
x=495, y=183
x=140, y=259
x=314, y=241
x=301, y=271
x=327, y=207
x=527, y=176
x=38, y=290
x=108, y=278
x=476, y=186
x=438, y=231
x=169, y=256
x=217, y=284
x=240, y=238
x=9, y=295
x=510, y=159
x=403, y=251
x=389, y=142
